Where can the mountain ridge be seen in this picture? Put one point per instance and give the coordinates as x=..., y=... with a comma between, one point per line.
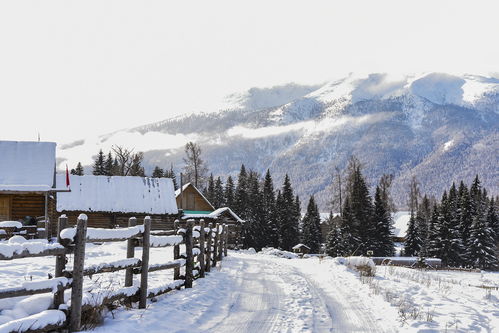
x=438, y=127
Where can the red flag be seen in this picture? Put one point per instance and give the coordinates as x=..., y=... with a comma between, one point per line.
x=67, y=176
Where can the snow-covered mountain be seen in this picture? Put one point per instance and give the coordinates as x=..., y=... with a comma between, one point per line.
x=438, y=127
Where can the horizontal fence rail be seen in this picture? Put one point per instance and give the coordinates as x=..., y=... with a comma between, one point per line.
x=205, y=245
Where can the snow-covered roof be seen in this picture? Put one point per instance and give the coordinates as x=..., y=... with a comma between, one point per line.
x=178, y=192
x=213, y=215
x=117, y=194
x=297, y=246
x=27, y=166
x=400, y=223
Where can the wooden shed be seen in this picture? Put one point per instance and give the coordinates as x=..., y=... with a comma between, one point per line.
x=194, y=205
x=110, y=201
x=27, y=180
x=301, y=249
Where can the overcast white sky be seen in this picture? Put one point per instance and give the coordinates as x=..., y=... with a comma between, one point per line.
x=70, y=69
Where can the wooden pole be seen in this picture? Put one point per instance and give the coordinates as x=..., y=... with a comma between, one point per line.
x=226, y=238
x=48, y=227
x=220, y=242
x=189, y=263
x=216, y=245
x=78, y=266
x=145, y=262
x=176, y=252
x=60, y=262
x=209, y=244
x=201, y=257
x=130, y=253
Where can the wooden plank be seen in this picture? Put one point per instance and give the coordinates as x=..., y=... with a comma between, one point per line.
x=27, y=254
x=163, y=232
x=158, y=267
x=17, y=292
x=60, y=262
x=164, y=291
x=189, y=263
x=145, y=263
x=78, y=266
x=130, y=253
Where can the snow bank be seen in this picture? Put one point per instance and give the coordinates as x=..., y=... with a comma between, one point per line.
x=27, y=166
x=163, y=288
x=37, y=321
x=278, y=253
x=158, y=241
x=17, y=245
x=101, y=233
x=114, y=264
x=45, y=284
x=118, y=194
x=354, y=262
x=11, y=224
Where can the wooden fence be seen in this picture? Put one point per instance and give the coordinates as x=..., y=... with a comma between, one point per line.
x=204, y=247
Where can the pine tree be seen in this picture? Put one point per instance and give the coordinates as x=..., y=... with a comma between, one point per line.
x=349, y=245
x=433, y=241
x=493, y=220
x=257, y=233
x=78, y=171
x=158, y=172
x=481, y=249
x=229, y=194
x=279, y=215
x=218, y=197
x=334, y=243
x=210, y=190
x=269, y=211
x=361, y=205
x=383, y=222
x=171, y=174
x=241, y=195
x=464, y=213
x=423, y=217
x=311, y=227
x=288, y=217
x=108, y=165
x=98, y=169
x=413, y=243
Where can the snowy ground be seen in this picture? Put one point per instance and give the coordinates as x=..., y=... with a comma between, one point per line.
x=264, y=293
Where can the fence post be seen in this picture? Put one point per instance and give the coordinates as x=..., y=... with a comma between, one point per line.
x=202, y=254
x=176, y=252
x=226, y=238
x=145, y=262
x=209, y=244
x=216, y=245
x=78, y=266
x=130, y=253
x=60, y=262
x=189, y=262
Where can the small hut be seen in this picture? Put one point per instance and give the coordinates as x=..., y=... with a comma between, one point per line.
x=27, y=181
x=196, y=206
x=109, y=201
x=301, y=249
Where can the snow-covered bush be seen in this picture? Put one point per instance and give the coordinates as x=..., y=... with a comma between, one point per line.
x=278, y=253
x=365, y=266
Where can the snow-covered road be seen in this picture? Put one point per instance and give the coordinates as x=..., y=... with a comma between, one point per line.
x=257, y=293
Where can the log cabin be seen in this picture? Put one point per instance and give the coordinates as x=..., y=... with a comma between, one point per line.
x=27, y=180
x=109, y=201
x=194, y=205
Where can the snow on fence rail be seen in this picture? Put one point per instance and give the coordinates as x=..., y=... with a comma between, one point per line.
x=205, y=246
